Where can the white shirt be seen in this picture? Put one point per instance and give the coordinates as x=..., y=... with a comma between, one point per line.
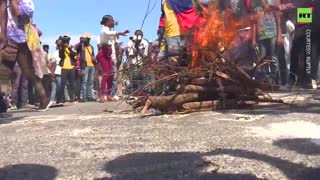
x=109, y=37
x=144, y=49
x=44, y=62
x=56, y=59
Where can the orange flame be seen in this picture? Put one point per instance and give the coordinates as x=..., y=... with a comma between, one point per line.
x=212, y=35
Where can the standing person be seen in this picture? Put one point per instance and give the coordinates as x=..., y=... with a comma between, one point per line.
x=22, y=37
x=55, y=71
x=87, y=63
x=3, y=25
x=266, y=35
x=138, y=50
x=46, y=80
x=68, y=63
x=107, y=54
x=303, y=67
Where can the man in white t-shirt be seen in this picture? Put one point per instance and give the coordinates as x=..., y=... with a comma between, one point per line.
x=55, y=71
x=46, y=80
x=138, y=49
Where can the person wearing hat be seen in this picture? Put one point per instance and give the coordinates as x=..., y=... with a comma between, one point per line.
x=87, y=61
x=107, y=55
x=67, y=63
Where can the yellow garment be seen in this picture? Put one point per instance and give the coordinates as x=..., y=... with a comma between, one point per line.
x=172, y=27
x=67, y=61
x=88, y=56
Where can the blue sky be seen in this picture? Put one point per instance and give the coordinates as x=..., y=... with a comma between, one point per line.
x=75, y=17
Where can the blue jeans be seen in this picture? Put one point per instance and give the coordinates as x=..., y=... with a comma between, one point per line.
x=267, y=49
x=114, y=84
x=174, y=45
x=55, y=87
x=87, y=85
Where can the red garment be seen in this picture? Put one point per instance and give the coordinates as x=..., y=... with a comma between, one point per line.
x=105, y=60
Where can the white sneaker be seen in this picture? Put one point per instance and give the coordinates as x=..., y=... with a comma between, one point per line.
x=47, y=107
x=13, y=107
x=116, y=97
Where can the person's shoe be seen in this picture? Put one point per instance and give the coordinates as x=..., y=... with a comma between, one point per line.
x=45, y=107
x=91, y=99
x=83, y=100
x=116, y=97
x=13, y=107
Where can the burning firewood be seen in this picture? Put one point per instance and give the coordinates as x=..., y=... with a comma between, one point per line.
x=212, y=80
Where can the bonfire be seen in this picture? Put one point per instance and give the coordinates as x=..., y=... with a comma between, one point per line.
x=212, y=80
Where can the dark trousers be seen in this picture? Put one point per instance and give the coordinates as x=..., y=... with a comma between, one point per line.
x=24, y=58
x=283, y=65
x=46, y=81
x=78, y=85
x=304, y=62
x=67, y=76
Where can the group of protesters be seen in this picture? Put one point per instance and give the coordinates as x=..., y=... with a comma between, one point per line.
x=78, y=74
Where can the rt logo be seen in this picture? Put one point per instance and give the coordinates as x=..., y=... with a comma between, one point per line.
x=304, y=15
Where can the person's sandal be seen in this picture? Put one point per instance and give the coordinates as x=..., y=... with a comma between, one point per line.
x=111, y=99
x=102, y=100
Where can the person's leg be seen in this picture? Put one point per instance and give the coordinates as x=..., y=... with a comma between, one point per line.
x=260, y=73
x=84, y=87
x=119, y=80
x=103, y=87
x=297, y=61
x=24, y=90
x=274, y=66
x=26, y=64
x=58, y=83
x=31, y=96
x=47, y=85
x=61, y=95
x=15, y=86
x=54, y=90
x=90, y=83
x=110, y=79
x=315, y=57
x=114, y=83
x=71, y=80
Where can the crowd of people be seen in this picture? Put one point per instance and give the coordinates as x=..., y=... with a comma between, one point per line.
x=76, y=73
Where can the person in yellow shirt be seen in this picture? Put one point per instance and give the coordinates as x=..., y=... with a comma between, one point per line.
x=87, y=67
x=67, y=62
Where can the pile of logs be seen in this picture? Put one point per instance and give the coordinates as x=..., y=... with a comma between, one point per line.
x=214, y=85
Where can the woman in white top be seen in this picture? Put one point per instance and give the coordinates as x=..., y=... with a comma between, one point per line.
x=107, y=55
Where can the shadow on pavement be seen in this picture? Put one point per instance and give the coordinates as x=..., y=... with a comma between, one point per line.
x=28, y=172
x=191, y=166
x=290, y=169
x=299, y=145
x=166, y=166
x=9, y=118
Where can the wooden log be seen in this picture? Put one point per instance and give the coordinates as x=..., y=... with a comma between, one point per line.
x=233, y=89
x=215, y=104
x=200, y=81
x=173, y=101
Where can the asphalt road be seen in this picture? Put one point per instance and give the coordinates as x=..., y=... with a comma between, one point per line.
x=83, y=142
